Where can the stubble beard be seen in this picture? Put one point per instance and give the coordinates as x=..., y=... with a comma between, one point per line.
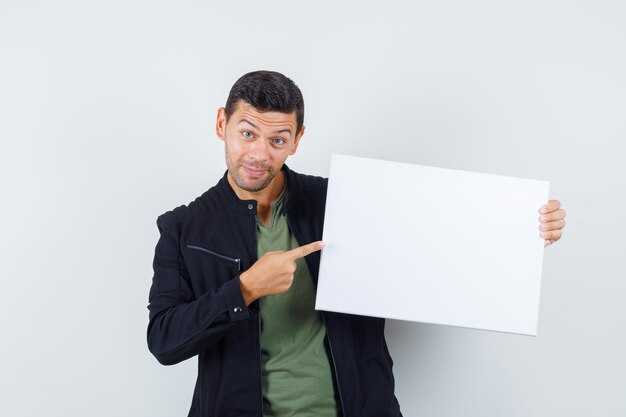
x=234, y=169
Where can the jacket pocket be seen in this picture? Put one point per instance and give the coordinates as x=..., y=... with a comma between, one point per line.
x=235, y=261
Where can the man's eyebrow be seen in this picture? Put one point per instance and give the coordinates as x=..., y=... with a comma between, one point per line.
x=250, y=123
x=283, y=131
x=287, y=130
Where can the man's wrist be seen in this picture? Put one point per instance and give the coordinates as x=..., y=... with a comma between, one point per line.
x=246, y=290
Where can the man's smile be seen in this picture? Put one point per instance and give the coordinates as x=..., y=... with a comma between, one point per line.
x=254, y=172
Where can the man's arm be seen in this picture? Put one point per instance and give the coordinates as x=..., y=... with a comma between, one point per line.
x=180, y=325
x=551, y=222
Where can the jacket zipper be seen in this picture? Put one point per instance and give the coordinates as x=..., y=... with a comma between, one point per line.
x=330, y=346
x=236, y=261
x=258, y=335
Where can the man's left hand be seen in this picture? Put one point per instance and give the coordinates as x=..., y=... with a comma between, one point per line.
x=551, y=222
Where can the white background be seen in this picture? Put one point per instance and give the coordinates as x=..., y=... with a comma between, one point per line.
x=106, y=120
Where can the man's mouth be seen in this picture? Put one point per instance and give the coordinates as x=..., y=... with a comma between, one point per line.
x=254, y=172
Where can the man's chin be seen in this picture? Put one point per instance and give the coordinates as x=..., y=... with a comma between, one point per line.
x=253, y=188
x=253, y=185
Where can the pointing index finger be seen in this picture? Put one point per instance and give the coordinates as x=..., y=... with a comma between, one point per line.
x=305, y=250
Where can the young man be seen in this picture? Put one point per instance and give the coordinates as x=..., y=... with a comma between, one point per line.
x=235, y=274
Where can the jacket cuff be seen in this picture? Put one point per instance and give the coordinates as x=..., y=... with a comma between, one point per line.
x=236, y=305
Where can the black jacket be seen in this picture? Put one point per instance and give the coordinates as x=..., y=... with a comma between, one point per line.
x=196, y=306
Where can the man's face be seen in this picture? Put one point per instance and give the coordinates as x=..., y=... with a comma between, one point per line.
x=257, y=144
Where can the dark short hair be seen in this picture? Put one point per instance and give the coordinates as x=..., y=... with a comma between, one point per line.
x=267, y=91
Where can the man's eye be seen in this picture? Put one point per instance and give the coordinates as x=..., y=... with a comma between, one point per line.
x=247, y=135
x=279, y=141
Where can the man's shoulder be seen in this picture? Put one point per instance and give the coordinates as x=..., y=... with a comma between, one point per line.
x=306, y=192
x=307, y=181
x=198, y=208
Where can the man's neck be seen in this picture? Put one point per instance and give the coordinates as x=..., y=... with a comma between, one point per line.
x=264, y=197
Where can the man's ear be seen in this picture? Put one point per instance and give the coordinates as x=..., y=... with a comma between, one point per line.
x=296, y=142
x=220, y=123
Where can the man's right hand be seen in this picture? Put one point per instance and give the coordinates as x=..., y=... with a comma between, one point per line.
x=273, y=272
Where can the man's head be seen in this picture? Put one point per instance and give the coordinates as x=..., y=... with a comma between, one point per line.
x=267, y=91
x=261, y=126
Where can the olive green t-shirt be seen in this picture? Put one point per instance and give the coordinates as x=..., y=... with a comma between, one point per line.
x=296, y=371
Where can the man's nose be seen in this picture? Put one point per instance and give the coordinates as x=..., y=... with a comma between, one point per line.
x=259, y=150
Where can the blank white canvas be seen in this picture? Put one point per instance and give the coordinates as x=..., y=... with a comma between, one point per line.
x=432, y=245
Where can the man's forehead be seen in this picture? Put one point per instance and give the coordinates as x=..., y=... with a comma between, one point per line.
x=245, y=112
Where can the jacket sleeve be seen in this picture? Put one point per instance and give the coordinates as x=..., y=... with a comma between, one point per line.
x=181, y=325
